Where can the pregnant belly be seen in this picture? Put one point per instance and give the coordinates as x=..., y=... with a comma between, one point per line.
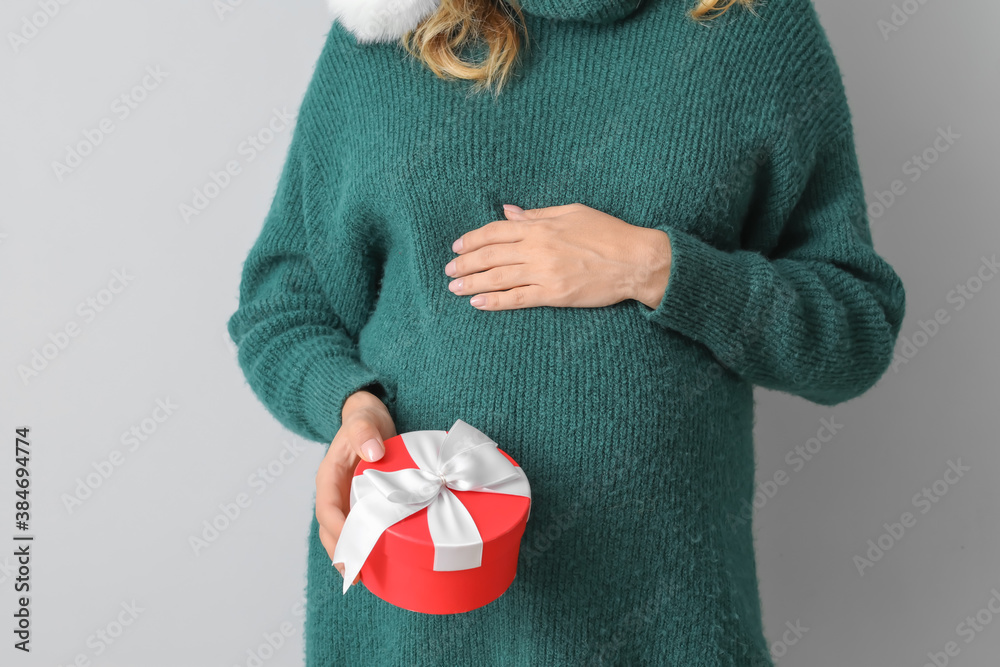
x=578, y=396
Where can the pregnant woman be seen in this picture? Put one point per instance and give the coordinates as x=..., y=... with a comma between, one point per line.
x=587, y=228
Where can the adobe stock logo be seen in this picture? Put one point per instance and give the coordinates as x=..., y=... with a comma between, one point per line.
x=968, y=630
x=32, y=24
x=247, y=151
x=232, y=509
x=900, y=16
x=924, y=500
x=136, y=436
x=87, y=310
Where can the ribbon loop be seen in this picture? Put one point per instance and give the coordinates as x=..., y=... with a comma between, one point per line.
x=407, y=486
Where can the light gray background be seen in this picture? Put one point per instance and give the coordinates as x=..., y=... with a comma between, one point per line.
x=163, y=337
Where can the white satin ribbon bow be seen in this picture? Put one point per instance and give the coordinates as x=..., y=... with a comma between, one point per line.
x=464, y=459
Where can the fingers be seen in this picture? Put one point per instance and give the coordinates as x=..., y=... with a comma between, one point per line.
x=361, y=428
x=329, y=543
x=549, y=211
x=495, y=279
x=511, y=229
x=498, y=231
x=527, y=296
x=487, y=257
x=333, y=479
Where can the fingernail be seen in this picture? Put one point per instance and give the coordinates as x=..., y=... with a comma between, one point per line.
x=477, y=300
x=457, y=245
x=449, y=268
x=511, y=207
x=455, y=285
x=372, y=449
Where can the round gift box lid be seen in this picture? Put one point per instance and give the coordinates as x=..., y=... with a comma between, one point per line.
x=500, y=517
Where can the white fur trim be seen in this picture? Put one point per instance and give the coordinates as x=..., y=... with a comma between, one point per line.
x=381, y=20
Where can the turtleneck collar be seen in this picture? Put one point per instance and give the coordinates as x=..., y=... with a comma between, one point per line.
x=591, y=11
x=388, y=20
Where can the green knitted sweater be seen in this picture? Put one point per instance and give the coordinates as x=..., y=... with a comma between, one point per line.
x=634, y=425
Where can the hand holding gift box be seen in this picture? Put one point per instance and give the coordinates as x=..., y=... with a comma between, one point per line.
x=435, y=525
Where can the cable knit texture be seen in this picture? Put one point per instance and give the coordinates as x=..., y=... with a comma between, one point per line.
x=635, y=425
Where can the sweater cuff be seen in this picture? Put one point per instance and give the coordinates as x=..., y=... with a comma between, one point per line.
x=329, y=382
x=707, y=296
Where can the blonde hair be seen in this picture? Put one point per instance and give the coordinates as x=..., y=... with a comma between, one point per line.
x=440, y=37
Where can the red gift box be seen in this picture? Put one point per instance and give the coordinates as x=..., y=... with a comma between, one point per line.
x=461, y=570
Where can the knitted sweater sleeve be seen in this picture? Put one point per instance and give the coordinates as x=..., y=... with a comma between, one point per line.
x=805, y=305
x=295, y=334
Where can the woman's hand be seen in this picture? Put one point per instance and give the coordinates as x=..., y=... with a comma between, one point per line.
x=567, y=256
x=366, y=426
